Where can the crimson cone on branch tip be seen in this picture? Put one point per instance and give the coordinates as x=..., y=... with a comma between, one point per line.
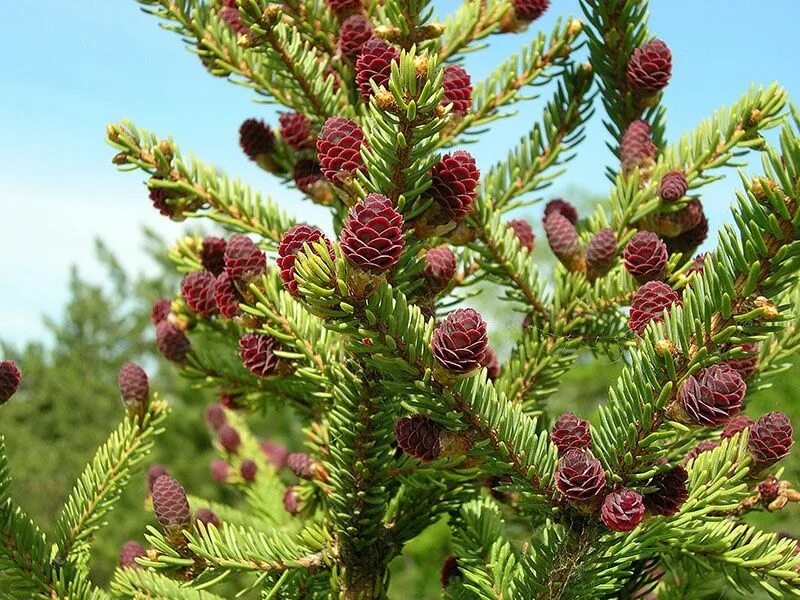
x=561, y=206
x=154, y=472
x=257, y=352
x=197, y=290
x=233, y=18
x=529, y=10
x=227, y=296
x=343, y=6
x=454, y=183
x=374, y=65
x=293, y=242
x=306, y=173
x=636, y=147
x=419, y=436
x=301, y=464
x=713, y=395
x=133, y=386
x=212, y=254
x=295, y=130
x=562, y=238
x=244, y=260
x=622, y=510
x=459, y=343
x=571, y=433
x=649, y=303
x=769, y=489
x=440, y=266
x=491, y=363
x=673, y=186
x=160, y=198
x=692, y=237
x=256, y=138
x=704, y=446
x=748, y=363
x=275, y=453
x=160, y=311
x=645, y=257
x=649, y=68
x=372, y=238
x=171, y=342
x=449, y=571
x=215, y=416
x=291, y=501
x=601, y=250
x=9, y=380
x=770, y=438
x=736, y=425
x=579, y=476
x=207, y=517
x=669, y=493
x=339, y=148
x=524, y=232
x=248, y=470
x=355, y=31
x=130, y=551
x=457, y=87
x=229, y=438
x=170, y=503
x=219, y=470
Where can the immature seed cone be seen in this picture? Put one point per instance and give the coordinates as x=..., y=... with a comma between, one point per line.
x=704, y=446
x=275, y=453
x=571, y=433
x=649, y=304
x=154, y=472
x=295, y=130
x=244, y=260
x=459, y=342
x=636, y=148
x=601, y=251
x=529, y=10
x=291, y=501
x=229, y=438
x=160, y=198
x=649, y=68
x=9, y=380
x=561, y=206
x=769, y=489
x=230, y=401
x=207, y=517
x=171, y=342
x=212, y=254
x=579, y=476
x=673, y=186
x=170, y=504
x=355, y=31
x=712, y=396
x=257, y=352
x=669, y=494
x=454, y=183
x=306, y=173
x=419, y=436
x=215, y=416
x=622, y=510
x=248, y=470
x=524, y=232
x=747, y=364
x=220, y=470
x=227, y=296
x=645, y=257
x=256, y=138
x=457, y=89
x=770, y=438
x=301, y=464
x=491, y=363
x=343, y=6
x=374, y=64
x=736, y=425
x=440, y=266
x=563, y=239
x=197, y=290
x=693, y=236
x=339, y=149
x=291, y=245
x=233, y=18
x=129, y=553
x=134, y=387
x=160, y=311
x=372, y=238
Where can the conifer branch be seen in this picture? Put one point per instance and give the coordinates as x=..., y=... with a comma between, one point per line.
x=140, y=584
x=473, y=21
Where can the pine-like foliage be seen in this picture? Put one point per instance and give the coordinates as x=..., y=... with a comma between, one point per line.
x=409, y=417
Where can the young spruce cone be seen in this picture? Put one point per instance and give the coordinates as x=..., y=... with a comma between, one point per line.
x=293, y=242
x=459, y=343
x=622, y=510
x=220, y=470
x=673, y=186
x=374, y=65
x=579, y=476
x=561, y=206
x=770, y=438
x=601, y=251
x=129, y=553
x=244, y=260
x=649, y=304
x=306, y=174
x=229, y=438
x=529, y=10
x=212, y=254
x=454, y=184
x=275, y=454
x=524, y=232
x=457, y=89
x=636, y=148
x=227, y=296
x=215, y=416
x=343, y=6
x=372, y=238
x=649, y=68
x=339, y=148
x=133, y=387
x=713, y=395
x=440, y=266
x=170, y=504
x=563, y=240
x=645, y=257
x=256, y=138
x=355, y=31
x=295, y=130
x=171, y=342
x=257, y=352
x=197, y=290
x=248, y=470
x=736, y=425
x=419, y=436
x=160, y=311
x=571, y=433
x=207, y=517
x=9, y=380
x=291, y=500
x=670, y=492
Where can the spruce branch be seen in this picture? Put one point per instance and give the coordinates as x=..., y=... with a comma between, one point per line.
x=472, y=22
x=25, y=569
x=140, y=584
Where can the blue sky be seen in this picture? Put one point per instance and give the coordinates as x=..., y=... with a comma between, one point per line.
x=72, y=66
